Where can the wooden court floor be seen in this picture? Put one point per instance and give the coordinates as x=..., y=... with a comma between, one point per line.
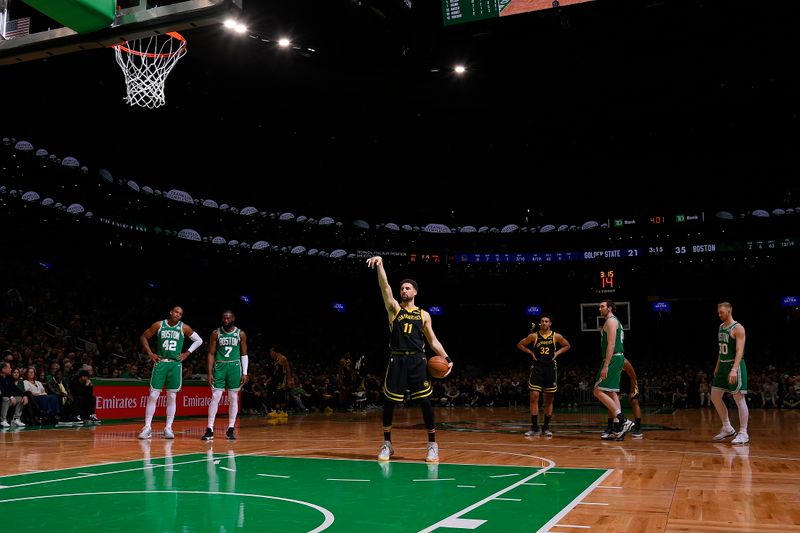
x=675, y=479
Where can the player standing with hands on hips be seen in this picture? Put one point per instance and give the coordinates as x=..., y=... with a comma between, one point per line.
x=547, y=346
x=167, y=368
x=409, y=327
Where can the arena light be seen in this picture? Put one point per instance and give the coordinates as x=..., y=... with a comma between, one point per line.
x=589, y=224
x=23, y=146
x=75, y=209
x=189, y=234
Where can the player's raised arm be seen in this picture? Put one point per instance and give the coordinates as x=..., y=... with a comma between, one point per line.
x=389, y=301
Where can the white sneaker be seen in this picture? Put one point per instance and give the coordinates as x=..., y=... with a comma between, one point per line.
x=146, y=433
x=433, y=453
x=724, y=433
x=741, y=438
x=19, y=423
x=386, y=451
x=533, y=433
x=625, y=428
x=168, y=434
x=5, y=424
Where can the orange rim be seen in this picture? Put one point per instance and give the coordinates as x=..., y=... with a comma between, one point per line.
x=175, y=35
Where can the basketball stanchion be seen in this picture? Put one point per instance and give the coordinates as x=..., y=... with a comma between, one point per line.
x=146, y=63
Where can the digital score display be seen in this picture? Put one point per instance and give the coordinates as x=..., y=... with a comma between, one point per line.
x=415, y=257
x=790, y=301
x=459, y=11
x=661, y=307
x=697, y=248
x=547, y=257
x=657, y=219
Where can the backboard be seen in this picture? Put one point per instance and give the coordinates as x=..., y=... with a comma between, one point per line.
x=134, y=19
x=592, y=321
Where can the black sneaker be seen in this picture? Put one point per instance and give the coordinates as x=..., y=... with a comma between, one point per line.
x=208, y=435
x=230, y=435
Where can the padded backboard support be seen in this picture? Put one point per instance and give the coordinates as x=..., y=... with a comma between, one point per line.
x=130, y=23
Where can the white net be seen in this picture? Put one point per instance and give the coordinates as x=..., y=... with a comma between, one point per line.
x=146, y=63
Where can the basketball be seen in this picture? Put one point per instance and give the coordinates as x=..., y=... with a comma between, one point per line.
x=438, y=366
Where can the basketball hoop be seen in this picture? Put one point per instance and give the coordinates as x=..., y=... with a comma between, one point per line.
x=146, y=63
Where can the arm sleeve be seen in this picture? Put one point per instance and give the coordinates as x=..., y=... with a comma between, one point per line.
x=197, y=341
x=244, y=364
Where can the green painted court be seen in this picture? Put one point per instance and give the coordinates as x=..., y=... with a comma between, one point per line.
x=223, y=493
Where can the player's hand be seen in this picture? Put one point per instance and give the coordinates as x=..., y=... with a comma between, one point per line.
x=182, y=357
x=604, y=373
x=449, y=369
x=211, y=378
x=375, y=261
x=732, y=375
x=244, y=380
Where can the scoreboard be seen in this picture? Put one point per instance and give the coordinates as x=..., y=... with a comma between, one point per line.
x=678, y=248
x=456, y=11
x=459, y=11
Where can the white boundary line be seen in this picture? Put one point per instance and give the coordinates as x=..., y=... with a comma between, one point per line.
x=454, y=519
x=326, y=523
x=554, y=521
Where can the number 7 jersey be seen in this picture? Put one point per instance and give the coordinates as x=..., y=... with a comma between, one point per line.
x=228, y=345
